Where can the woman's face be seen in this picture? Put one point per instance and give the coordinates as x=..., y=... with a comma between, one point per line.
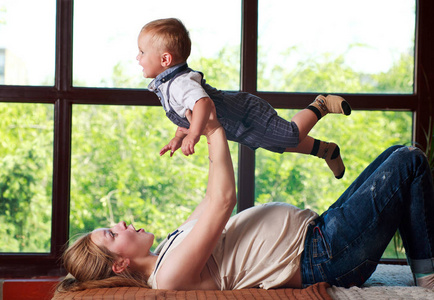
x=124, y=240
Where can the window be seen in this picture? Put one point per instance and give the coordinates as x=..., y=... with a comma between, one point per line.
x=105, y=52
x=105, y=56
x=28, y=40
x=26, y=172
x=117, y=173
x=78, y=99
x=307, y=182
x=336, y=46
x=2, y=66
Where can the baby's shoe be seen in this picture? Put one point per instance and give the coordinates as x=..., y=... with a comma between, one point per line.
x=330, y=152
x=331, y=104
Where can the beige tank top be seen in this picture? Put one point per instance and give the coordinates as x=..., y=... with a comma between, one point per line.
x=259, y=247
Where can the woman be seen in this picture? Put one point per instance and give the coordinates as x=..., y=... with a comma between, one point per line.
x=273, y=245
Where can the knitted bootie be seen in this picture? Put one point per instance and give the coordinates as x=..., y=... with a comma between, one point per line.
x=331, y=104
x=332, y=155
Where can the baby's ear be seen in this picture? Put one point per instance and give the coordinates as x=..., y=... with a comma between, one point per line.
x=166, y=59
x=120, y=265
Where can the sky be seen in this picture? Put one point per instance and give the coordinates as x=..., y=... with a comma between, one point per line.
x=105, y=31
x=383, y=29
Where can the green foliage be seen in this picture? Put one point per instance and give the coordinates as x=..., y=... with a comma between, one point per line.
x=399, y=79
x=306, y=181
x=221, y=71
x=25, y=177
x=330, y=74
x=117, y=173
x=2, y=15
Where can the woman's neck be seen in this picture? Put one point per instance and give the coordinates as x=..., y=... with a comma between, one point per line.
x=146, y=265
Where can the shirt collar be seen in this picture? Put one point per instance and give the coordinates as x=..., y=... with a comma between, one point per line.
x=166, y=76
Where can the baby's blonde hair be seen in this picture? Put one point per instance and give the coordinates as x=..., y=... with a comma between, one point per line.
x=170, y=35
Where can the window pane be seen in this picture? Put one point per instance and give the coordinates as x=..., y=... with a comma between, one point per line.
x=26, y=160
x=27, y=42
x=306, y=181
x=336, y=46
x=117, y=173
x=106, y=31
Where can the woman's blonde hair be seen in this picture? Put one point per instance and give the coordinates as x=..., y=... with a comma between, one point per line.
x=170, y=35
x=90, y=266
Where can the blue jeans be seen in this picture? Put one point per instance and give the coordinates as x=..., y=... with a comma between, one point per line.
x=394, y=192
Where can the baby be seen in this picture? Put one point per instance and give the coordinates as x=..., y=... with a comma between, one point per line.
x=164, y=47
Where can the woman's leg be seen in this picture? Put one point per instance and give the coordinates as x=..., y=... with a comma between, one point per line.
x=417, y=228
x=349, y=238
x=361, y=179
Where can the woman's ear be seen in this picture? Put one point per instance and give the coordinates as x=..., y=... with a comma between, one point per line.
x=120, y=265
x=166, y=59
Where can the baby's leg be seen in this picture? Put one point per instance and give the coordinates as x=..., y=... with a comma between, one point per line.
x=330, y=152
x=305, y=120
x=305, y=146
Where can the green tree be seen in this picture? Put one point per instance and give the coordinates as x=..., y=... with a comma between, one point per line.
x=117, y=173
x=399, y=79
x=25, y=177
x=306, y=181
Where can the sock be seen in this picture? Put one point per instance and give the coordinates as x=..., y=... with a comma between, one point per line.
x=425, y=280
x=315, y=110
x=315, y=147
x=330, y=104
x=330, y=152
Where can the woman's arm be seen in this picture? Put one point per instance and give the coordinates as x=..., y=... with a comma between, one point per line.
x=210, y=127
x=183, y=267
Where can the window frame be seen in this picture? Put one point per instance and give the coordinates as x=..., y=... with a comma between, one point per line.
x=63, y=96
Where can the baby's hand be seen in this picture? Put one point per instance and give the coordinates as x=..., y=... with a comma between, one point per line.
x=188, y=144
x=173, y=145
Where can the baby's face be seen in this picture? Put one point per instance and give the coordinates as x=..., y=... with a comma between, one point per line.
x=149, y=57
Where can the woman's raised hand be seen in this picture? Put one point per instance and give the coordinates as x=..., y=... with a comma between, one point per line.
x=210, y=126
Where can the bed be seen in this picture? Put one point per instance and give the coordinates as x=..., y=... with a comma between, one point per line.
x=387, y=282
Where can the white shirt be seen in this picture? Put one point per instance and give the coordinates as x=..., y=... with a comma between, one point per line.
x=185, y=90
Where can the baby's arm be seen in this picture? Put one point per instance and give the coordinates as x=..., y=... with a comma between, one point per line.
x=201, y=112
x=174, y=143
